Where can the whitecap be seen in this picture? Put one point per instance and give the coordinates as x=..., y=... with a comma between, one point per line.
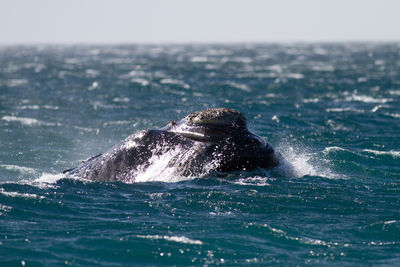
x=90, y=73
x=330, y=149
x=175, y=82
x=275, y=119
x=93, y=86
x=252, y=181
x=393, y=115
x=239, y=86
x=121, y=99
x=344, y=110
x=32, y=107
x=22, y=120
x=135, y=74
x=296, y=76
x=4, y=209
x=199, y=59
x=275, y=68
x=20, y=195
x=178, y=239
x=392, y=153
x=303, y=240
x=16, y=82
x=26, y=121
x=311, y=100
x=21, y=169
x=323, y=67
x=142, y=82
x=394, y=92
x=367, y=99
x=376, y=108
x=47, y=178
x=37, y=107
x=244, y=60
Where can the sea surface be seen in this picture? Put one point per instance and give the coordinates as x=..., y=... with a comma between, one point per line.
x=332, y=110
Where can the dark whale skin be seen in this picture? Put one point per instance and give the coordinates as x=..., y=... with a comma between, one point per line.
x=218, y=148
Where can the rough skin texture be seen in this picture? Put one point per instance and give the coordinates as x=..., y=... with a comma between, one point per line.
x=220, y=116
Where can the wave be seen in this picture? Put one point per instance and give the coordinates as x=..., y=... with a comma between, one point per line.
x=19, y=195
x=20, y=169
x=178, y=239
x=394, y=154
x=27, y=121
x=367, y=99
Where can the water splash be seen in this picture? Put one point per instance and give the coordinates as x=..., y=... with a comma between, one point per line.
x=298, y=161
x=166, y=166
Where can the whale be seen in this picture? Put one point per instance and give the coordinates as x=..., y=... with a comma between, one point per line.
x=206, y=141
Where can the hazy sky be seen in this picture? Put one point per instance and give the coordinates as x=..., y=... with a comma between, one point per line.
x=157, y=21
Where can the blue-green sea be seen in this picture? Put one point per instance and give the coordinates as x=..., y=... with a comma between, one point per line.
x=331, y=109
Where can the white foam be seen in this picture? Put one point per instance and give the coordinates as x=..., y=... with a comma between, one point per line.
x=333, y=149
x=239, y=86
x=253, y=181
x=32, y=107
x=90, y=73
x=3, y=209
x=22, y=120
x=199, y=59
x=323, y=67
x=367, y=99
x=21, y=195
x=178, y=239
x=311, y=100
x=121, y=99
x=298, y=162
x=393, y=115
x=21, y=169
x=394, y=154
x=344, y=110
x=142, y=82
x=376, y=108
x=175, y=82
x=303, y=240
x=46, y=179
x=394, y=92
x=275, y=119
x=26, y=121
x=275, y=68
x=16, y=82
x=296, y=76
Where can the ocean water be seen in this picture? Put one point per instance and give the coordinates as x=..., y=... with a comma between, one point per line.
x=332, y=110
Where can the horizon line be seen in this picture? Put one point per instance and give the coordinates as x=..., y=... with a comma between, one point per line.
x=45, y=43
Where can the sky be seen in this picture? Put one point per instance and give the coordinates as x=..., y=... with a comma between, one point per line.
x=202, y=21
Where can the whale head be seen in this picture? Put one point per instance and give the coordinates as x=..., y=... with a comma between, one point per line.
x=225, y=131
x=210, y=125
